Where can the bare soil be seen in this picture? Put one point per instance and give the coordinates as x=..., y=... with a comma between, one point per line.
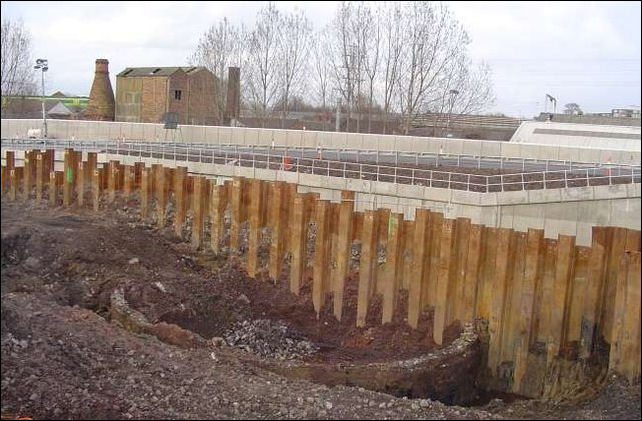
x=64, y=357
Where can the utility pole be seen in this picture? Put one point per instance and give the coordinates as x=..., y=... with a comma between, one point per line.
x=553, y=100
x=42, y=64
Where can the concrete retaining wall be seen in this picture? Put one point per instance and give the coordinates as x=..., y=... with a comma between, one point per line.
x=66, y=129
x=570, y=211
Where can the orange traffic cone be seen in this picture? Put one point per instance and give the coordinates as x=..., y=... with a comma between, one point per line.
x=607, y=171
x=286, y=163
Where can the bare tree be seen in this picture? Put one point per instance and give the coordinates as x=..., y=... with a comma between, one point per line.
x=262, y=65
x=222, y=46
x=295, y=37
x=372, y=57
x=361, y=24
x=475, y=89
x=573, y=109
x=434, y=40
x=465, y=89
x=351, y=28
x=18, y=77
x=321, y=69
x=393, y=28
x=344, y=56
x=398, y=57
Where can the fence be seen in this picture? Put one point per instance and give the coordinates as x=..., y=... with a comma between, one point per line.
x=555, y=174
x=442, y=120
x=544, y=301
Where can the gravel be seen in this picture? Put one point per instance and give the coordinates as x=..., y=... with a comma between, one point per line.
x=269, y=338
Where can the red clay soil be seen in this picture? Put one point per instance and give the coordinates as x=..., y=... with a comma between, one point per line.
x=209, y=306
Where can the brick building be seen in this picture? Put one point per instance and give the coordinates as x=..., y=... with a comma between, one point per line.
x=144, y=94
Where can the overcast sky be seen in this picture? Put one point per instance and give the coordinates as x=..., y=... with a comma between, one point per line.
x=583, y=52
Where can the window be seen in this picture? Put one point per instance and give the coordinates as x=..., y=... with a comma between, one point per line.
x=132, y=97
x=177, y=95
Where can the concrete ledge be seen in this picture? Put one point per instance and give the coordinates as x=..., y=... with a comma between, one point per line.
x=569, y=154
x=288, y=177
x=543, y=196
x=455, y=146
x=359, y=185
x=312, y=180
x=510, y=150
x=610, y=192
x=267, y=174
x=439, y=195
x=489, y=199
x=384, y=188
x=491, y=148
x=407, y=190
x=577, y=193
x=404, y=144
x=466, y=197
x=471, y=148
x=512, y=197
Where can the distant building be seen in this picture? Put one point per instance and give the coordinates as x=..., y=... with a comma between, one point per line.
x=631, y=111
x=144, y=94
x=31, y=106
x=61, y=111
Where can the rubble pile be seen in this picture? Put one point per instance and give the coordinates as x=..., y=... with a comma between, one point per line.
x=269, y=338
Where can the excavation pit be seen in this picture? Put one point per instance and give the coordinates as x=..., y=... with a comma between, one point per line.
x=186, y=299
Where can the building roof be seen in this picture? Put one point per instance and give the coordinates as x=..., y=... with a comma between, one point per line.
x=60, y=109
x=591, y=136
x=629, y=107
x=157, y=71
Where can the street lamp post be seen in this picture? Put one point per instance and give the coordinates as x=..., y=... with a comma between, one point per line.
x=42, y=64
x=453, y=94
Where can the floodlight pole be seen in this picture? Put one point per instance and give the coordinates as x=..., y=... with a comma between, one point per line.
x=42, y=64
x=44, y=114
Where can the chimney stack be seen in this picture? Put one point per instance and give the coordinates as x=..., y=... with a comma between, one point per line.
x=233, y=106
x=101, y=98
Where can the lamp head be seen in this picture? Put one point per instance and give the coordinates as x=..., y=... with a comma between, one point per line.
x=41, y=63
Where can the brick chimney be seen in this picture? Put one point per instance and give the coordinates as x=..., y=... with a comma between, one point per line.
x=101, y=98
x=233, y=105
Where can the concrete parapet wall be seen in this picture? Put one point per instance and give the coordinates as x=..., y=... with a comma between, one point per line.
x=66, y=129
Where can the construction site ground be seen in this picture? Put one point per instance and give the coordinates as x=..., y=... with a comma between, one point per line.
x=65, y=355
